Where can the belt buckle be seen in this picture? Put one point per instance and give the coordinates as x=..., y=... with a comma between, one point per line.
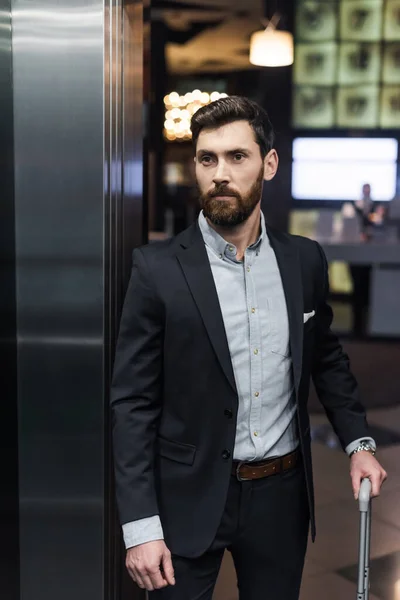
x=238, y=477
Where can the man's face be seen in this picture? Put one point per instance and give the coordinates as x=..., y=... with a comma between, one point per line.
x=230, y=173
x=366, y=190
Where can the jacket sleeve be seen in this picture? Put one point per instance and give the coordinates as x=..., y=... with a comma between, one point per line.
x=136, y=395
x=334, y=382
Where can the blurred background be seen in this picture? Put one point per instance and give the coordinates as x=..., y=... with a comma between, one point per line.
x=97, y=159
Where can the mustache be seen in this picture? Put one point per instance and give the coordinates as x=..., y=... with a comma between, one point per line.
x=222, y=191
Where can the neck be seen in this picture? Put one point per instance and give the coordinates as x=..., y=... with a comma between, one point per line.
x=242, y=236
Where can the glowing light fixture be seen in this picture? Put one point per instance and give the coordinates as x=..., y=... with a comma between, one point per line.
x=271, y=48
x=180, y=109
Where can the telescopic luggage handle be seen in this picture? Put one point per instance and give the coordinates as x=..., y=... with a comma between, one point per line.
x=364, y=500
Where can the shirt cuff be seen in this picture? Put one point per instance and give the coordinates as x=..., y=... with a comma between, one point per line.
x=353, y=445
x=142, y=531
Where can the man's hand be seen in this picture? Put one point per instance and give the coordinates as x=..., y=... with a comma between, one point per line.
x=363, y=464
x=144, y=564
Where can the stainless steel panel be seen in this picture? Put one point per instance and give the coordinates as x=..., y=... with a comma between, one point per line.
x=9, y=552
x=78, y=82
x=126, y=225
x=58, y=105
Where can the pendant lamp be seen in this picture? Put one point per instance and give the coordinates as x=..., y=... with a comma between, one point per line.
x=271, y=48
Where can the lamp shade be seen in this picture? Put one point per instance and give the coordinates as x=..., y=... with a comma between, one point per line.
x=271, y=48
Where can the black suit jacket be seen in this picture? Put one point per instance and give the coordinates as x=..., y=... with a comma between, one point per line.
x=174, y=399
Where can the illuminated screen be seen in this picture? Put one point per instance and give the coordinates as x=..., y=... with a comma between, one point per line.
x=337, y=168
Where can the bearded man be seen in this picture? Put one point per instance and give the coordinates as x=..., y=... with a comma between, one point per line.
x=222, y=329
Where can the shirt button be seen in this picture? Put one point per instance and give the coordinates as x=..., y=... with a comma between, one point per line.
x=226, y=454
x=256, y=433
x=253, y=310
x=230, y=248
x=248, y=269
x=220, y=255
x=257, y=394
x=256, y=351
x=228, y=413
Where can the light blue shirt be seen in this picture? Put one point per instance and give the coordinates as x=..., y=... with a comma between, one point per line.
x=253, y=308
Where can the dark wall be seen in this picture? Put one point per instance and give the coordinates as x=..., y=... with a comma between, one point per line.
x=155, y=125
x=271, y=87
x=275, y=90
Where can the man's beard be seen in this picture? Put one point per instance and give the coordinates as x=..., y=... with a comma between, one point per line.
x=224, y=213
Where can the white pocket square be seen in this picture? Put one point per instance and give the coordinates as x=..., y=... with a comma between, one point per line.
x=308, y=316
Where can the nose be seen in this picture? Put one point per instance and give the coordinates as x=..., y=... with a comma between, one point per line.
x=221, y=175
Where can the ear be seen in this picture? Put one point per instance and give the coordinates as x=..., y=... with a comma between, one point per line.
x=271, y=162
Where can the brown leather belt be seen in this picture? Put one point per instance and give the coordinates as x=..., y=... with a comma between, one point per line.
x=246, y=471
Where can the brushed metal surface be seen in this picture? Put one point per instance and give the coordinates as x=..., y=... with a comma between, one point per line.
x=126, y=220
x=78, y=83
x=58, y=109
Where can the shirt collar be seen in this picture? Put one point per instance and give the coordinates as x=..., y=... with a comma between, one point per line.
x=219, y=245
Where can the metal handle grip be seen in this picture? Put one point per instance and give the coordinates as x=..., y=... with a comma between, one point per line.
x=364, y=500
x=364, y=495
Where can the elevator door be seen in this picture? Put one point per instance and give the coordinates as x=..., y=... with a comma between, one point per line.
x=78, y=209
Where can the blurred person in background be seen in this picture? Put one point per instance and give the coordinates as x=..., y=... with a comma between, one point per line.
x=371, y=214
x=222, y=329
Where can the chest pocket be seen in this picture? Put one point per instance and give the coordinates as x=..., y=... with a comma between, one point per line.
x=278, y=338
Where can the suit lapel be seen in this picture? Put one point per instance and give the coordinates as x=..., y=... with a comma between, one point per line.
x=289, y=267
x=195, y=265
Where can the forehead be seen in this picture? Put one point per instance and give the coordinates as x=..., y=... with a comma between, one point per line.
x=227, y=137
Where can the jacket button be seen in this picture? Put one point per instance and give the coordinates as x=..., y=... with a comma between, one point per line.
x=226, y=454
x=228, y=413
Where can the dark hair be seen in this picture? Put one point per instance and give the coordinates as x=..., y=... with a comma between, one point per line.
x=231, y=109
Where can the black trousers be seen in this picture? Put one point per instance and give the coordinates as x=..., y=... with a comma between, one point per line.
x=265, y=527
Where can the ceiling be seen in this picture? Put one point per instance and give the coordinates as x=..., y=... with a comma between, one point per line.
x=214, y=35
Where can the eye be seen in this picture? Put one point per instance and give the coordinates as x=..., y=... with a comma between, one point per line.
x=238, y=157
x=206, y=160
